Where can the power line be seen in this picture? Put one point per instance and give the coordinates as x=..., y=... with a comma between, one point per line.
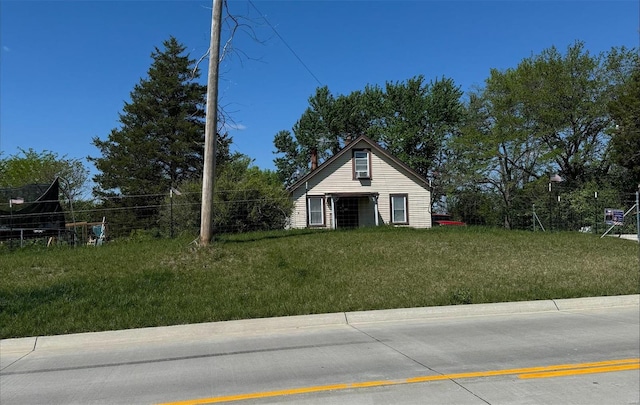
x=285, y=42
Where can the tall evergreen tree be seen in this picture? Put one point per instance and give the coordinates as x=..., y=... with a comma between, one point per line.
x=160, y=141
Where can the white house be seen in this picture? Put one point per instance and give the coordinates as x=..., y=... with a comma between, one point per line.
x=361, y=185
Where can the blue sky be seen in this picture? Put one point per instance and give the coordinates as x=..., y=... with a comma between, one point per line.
x=67, y=67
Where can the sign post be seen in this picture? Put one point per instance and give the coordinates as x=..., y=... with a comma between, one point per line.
x=615, y=217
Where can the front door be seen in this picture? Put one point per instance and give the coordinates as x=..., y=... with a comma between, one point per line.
x=347, y=212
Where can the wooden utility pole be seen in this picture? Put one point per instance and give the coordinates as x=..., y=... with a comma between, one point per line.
x=210, y=132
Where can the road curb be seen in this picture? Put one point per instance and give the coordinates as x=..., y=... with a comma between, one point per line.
x=177, y=333
x=501, y=308
x=598, y=302
x=452, y=311
x=194, y=332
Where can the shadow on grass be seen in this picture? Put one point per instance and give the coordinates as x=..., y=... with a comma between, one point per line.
x=257, y=236
x=279, y=234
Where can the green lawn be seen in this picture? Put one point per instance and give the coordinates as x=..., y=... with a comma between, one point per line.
x=140, y=283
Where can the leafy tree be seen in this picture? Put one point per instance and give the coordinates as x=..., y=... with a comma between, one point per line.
x=417, y=121
x=495, y=149
x=160, y=142
x=417, y=118
x=409, y=118
x=549, y=114
x=292, y=160
x=31, y=167
x=566, y=98
x=324, y=126
x=625, y=142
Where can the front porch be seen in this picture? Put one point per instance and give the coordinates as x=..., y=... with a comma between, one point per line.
x=353, y=210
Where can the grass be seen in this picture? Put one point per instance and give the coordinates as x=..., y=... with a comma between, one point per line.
x=144, y=282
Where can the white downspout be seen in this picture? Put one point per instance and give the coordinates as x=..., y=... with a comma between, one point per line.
x=375, y=208
x=333, y=213
x=306, y=197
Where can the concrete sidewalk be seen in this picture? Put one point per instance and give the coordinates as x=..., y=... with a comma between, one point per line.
x=626, y=236
x=195, y=332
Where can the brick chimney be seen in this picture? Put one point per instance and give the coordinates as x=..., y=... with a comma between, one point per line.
x=314, y=159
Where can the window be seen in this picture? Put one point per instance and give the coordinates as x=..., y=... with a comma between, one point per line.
x=361, y=169
x=399, y=209
x=315, y=209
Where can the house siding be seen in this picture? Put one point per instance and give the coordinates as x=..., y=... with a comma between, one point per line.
x=387, y=178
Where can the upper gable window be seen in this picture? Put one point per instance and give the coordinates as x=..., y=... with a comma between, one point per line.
x=361, y=164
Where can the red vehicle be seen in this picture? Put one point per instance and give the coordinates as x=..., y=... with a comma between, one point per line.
x=444, y=220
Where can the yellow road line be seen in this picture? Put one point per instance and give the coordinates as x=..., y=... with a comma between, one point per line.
x=524, y=371
x=558, y=370
x=592, y=370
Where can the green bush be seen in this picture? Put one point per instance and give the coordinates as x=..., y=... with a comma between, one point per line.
x=245, y=199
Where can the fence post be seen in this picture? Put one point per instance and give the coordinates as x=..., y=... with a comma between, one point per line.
x=533, y=217
x=595, y=222
x=638, y=217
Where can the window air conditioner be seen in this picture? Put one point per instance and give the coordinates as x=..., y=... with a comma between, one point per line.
x=362, y=175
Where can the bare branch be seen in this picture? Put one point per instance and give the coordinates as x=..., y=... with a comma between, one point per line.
x=194, y=72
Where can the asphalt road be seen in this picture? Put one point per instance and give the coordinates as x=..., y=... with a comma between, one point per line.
x=583, y=351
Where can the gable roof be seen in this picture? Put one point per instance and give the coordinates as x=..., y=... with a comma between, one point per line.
x=374, y=145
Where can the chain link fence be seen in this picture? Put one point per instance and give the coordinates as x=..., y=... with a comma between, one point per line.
x=171, y=215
